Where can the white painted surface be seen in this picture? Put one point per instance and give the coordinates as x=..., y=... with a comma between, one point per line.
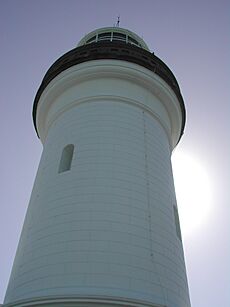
x=105, y=228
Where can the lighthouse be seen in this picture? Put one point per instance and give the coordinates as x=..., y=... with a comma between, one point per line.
x=102, y=226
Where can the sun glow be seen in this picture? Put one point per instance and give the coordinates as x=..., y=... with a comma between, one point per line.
x=193, y=191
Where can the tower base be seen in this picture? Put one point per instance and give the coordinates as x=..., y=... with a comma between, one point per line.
x=81, y=302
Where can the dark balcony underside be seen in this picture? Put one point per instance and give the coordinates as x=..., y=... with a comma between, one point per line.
x=111, y=50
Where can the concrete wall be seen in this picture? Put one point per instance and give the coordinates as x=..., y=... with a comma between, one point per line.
x=105, y=228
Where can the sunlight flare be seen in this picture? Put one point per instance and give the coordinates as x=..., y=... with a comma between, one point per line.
x=193, y=191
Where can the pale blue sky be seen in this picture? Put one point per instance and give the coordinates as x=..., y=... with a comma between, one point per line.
x=192, y=38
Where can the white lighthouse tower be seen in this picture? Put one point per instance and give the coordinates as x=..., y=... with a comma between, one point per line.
x=102, y=226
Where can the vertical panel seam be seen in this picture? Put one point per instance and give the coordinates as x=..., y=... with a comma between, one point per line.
x=149, y=207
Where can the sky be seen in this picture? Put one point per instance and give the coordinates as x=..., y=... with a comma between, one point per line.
x=193, y=39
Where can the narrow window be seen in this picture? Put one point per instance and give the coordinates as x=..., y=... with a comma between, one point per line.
x=66, y=158
x=177, y=222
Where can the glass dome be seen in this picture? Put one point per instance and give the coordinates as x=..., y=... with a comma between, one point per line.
x=113, y=34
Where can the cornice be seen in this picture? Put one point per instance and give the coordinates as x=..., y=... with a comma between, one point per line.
x=111, y=50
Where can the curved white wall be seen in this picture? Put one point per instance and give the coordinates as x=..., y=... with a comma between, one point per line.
x=104, y=231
